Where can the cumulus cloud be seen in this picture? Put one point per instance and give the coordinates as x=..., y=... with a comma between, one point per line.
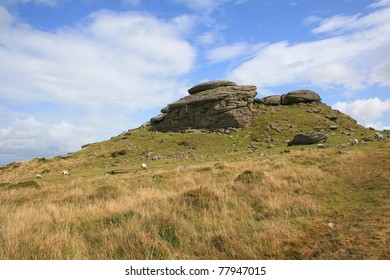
x=26, y=138
x=367, y=112
x=354, y=54
x=99, y=74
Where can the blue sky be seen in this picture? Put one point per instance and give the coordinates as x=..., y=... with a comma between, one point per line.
x=74, y=72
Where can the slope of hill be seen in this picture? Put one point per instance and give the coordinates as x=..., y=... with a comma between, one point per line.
x=207, y=195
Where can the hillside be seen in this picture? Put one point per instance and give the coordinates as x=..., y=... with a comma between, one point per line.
x=237, y=194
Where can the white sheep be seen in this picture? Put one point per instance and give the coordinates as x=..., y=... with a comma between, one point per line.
x=144, y=166
x=379, y=135
x=65, y=173
x=355, y=142
x=39, y=176
x=321, y=146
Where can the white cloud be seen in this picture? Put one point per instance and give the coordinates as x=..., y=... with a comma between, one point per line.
x=233, y=51
x=121, y=59
x=356, y=58
x=380, y=3
x=367, y=112
x=97, y=75
x=29, y=137
x=311, y=20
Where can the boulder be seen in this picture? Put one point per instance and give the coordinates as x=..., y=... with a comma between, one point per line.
x=300, y=96
x=210, y=85
x=216, y=108
x=157, y=119
x=271, y=100
x=308, y=138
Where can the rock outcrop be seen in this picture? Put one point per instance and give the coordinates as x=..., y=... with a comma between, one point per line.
x=212, y=106
x=300, y=96
x=308, y=138
x=293, y=97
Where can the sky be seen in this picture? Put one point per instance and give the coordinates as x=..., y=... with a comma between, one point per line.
x=75, y=72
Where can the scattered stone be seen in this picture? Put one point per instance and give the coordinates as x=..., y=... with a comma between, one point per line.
x=332, y=117
x=119, y=171
x=65, y=156
x=315, y=110
x=308, y=138
x=333, y=127
x=86, y=145
x=275, y=127
x=371, y=128
x=321, y=146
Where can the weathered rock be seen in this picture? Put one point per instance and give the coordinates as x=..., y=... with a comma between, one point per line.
x=275, y=127
x=300, y=96
x=119, y=171
x=212, y=109
x=271, y=100
x=258, y=101
x=157, y=119
x=210, y=85
x=308, y=138
x=331, y=117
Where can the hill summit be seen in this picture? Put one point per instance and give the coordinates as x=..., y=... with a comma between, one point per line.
x=221, y=106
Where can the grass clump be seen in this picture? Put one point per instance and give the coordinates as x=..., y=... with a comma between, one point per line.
x=200, y=198
x=249, y=177
x=23, y=185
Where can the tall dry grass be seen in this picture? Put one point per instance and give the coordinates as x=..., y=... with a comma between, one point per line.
x=256, y=209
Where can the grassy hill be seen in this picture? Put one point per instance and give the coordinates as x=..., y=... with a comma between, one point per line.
x=244, y=195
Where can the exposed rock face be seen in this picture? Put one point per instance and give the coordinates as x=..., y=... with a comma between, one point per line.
x=293, y=97
x=300, y=96
x=308, y=138
x=212, y=106
x=269, y=100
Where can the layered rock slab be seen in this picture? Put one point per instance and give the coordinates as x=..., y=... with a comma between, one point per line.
x=213, y=106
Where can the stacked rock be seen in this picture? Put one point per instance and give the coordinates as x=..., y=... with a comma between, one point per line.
x=211, y=106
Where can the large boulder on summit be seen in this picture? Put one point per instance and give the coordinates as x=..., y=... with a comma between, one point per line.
x=269, y=100
x=308, y=138
x=210, y=85
x=300, y=96
x=213, y=106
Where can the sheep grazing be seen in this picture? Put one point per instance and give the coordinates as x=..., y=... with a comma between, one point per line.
x=144, y=166
x=321, y=146
x=65, y=173
x=355, y=142
x=379, y=135
x=39, y=176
